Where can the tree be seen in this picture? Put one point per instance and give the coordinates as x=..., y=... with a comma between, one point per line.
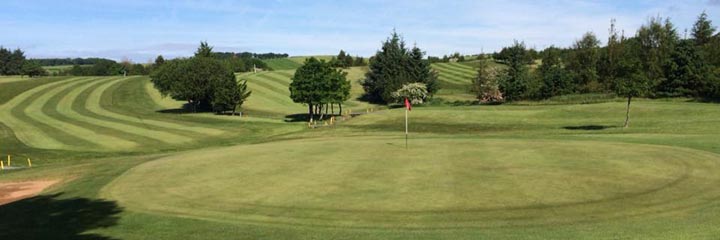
x=12, y=61
x=656, y=42
x=159, y=60
x=687, y=73
x=608, y=66
x=514, y=81
x=359, y=61
x=416, y=93
x=204, y=82
x=703, y=30
x=4, y=58
x=486, y=85
x=205, y=50
x=229, y=95
x=317, y=83
x=555, y=80
x=631, y=81
x=394, y=66
x=582, y=62
x=33, y=69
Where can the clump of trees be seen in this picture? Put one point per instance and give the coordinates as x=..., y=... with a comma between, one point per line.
x=394, y=66
x=344, y=60
x=68, y=61
x=654, y=62
x=14, y=63
x=203, y=81
x=320, y=86
x=247, y=61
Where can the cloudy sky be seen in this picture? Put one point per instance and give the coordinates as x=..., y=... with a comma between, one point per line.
x=140, y=30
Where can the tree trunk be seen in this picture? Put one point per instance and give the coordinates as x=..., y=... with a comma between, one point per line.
x=627, y=114
x=340, y=105
x=332, y=109
x=320, y=111
x=310, y=112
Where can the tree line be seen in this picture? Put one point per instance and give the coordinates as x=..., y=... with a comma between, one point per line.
x=14, y=63
x=673, y=66
x=67, y=61
x=654, y=62
x=345, y=60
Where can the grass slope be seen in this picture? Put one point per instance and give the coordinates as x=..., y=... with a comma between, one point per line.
x=560, y=171
x=271, y=94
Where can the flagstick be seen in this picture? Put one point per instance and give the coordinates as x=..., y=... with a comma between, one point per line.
x=406, y=128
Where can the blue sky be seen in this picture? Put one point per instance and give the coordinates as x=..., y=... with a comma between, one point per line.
x=140, y=30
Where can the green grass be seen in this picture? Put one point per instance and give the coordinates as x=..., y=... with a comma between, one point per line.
x=271, y=94
x=132, y=167
x=282, y=64
x=57, y=69
x=455, y=81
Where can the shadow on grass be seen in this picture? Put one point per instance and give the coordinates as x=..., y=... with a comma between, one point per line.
x=588, y=127
x=51, y=217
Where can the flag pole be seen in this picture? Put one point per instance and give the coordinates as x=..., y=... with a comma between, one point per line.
x=406, y=128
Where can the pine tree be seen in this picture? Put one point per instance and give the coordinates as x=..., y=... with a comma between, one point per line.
x=514, y=81
x=205, y=50
x=160, y=60
x=394, y=66
x=703, y=30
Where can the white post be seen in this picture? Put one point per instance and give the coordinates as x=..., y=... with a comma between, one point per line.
x=406, y=128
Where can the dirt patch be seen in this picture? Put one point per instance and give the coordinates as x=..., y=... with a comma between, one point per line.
x=14, y=191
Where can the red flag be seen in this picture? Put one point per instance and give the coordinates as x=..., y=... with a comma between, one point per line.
x=408, y=105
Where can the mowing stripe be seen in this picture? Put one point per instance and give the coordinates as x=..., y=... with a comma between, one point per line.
x=455, y=73
x=64, y=107
x=271, y=86
x=450, y=70
x=279, y=98
x=60, y=108
x=79, y=106
x=460, y=68
x=30, y=131
x=93, y=104
x=34, y=110
x=277, y=83
x=455, y=77
x=162, y=102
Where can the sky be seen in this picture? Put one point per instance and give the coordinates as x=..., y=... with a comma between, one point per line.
x=140, y=30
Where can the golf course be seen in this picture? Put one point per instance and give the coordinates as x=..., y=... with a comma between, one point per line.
x=543, y=170
x=357, y=120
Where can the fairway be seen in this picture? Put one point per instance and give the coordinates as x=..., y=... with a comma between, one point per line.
x=477, y=183
x=387, y=120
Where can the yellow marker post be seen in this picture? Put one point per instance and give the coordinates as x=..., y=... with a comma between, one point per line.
x=2, y=165
x=29, y=163
x=8, y=160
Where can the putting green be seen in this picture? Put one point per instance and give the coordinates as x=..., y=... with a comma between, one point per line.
x=373, y=182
